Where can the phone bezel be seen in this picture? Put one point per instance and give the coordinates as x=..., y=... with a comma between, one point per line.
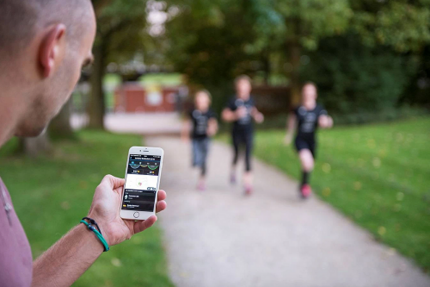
x=143, y=215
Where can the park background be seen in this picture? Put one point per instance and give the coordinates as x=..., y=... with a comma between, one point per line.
x=370, y=60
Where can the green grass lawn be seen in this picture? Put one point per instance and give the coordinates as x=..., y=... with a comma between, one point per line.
x=378, y=175
x=163, y=79
x=52, y=193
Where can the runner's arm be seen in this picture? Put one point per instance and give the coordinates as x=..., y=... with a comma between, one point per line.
x=212, y=127
x=228, y=115
x=186, y=129
x=258, y=117
x=325, y=121
x=291, y=126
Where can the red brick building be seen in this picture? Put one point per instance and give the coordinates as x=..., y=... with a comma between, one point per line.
x=133, y=97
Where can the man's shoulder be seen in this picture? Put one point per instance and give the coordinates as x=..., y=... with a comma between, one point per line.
x=3, y=189
x=14, y=244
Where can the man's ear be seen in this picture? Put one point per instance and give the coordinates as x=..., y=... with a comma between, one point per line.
x=52, y=49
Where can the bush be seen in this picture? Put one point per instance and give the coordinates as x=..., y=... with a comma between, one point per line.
x=353, y=78
x=392, y=114
x=418, y=92
x=386, y=115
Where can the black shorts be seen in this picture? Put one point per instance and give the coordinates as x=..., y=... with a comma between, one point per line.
x=302, y=143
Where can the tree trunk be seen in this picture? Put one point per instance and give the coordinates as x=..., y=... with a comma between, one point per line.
x=266, y=67
x=35, y=146
x=295, y=51
x=60, y=126
x=96, y=104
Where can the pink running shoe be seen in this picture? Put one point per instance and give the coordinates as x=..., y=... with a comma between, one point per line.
x=248, y=190
x=201, y=186
x=305, y=191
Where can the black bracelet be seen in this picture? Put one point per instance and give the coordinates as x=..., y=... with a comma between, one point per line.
x=93, y=222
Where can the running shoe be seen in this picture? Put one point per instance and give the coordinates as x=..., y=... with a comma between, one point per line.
x=248, y=190
x=305, y=191
x=201, y=186
x=232, y=178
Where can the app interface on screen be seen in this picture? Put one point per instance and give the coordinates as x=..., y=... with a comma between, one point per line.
x=141, y=183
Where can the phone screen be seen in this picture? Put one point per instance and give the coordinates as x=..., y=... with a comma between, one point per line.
x=141, y=182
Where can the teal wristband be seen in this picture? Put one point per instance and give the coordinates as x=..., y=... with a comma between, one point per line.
x=98, y=234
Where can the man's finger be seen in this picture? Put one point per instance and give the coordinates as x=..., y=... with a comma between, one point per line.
x=112, y=181
x=161, y=195
x=161, y=205
x=142, y=225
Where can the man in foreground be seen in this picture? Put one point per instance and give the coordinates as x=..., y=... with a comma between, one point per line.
x=43, y=46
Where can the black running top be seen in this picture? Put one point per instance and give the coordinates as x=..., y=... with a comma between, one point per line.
x=307, y=121
x=245, y=123
x=200, y=121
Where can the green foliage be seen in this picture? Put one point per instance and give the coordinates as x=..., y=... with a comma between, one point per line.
x=121, y=27
x=385, y=115
x=52, y=193
x=353, y=78
x=213, y=41
x=403, y=25
x=403, y=112
x=376, y=175
x=418, y=92
x=303, y=21
x=207, y=43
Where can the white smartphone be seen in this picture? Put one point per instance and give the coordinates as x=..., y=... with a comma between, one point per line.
x=142, y=180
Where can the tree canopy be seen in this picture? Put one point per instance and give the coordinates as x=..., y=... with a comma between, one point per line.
x=213, y=41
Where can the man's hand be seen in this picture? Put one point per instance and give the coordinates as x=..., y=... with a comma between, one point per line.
x=74, y=253
x=105, y=210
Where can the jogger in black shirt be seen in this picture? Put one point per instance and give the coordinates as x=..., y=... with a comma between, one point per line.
x=200, y=126
x=307, y=117
x=241, y=111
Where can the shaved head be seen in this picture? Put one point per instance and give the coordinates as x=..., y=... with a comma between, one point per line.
x=21, y=19
x=43, y=46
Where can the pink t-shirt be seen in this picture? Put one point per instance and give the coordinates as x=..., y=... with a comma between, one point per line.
x=16, y=261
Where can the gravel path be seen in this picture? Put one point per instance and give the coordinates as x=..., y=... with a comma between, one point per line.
x=220, y=238
x=160, y=123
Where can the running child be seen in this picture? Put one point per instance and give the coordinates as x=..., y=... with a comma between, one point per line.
x=201, y=125
x=241, y=111
x=306, y=118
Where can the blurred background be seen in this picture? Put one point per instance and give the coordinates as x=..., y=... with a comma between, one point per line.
x=369, y=58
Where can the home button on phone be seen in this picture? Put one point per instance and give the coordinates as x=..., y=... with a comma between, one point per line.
x=136, y=214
